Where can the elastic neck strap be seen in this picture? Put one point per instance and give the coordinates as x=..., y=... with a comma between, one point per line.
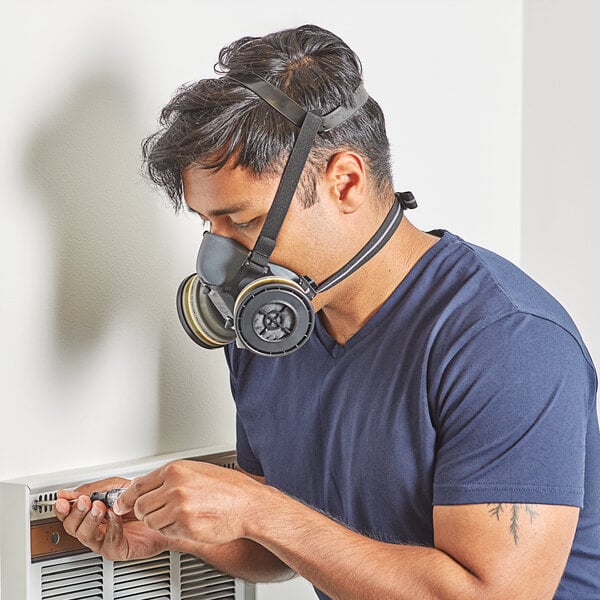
x=374, y=245
x=310, y=123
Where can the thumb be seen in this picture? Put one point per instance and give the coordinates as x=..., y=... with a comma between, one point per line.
x=125, y=501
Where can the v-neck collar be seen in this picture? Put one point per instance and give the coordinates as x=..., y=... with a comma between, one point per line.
x=337, y=350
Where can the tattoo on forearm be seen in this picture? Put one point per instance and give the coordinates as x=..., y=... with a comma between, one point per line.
x=514, y=511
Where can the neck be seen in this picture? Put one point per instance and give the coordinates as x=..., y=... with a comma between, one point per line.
x=350, y=304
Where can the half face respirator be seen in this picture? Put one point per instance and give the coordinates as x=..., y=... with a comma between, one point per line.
x=238, y=295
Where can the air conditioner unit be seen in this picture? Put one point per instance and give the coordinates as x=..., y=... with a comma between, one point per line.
x=40, y=561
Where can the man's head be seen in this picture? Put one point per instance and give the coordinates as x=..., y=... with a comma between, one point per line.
x=218, y=122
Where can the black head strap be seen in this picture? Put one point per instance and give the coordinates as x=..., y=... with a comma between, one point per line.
x=290, y=109
x=310, y=123
x=265, y=244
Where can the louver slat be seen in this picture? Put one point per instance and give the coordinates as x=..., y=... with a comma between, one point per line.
x=199, y=581
x=79, y=595
x=139, y=566
x=144, y=592
x=95, y=562
x=203, y=576
x=155, y=595
x=210, y=596
x=134, y=579
x=77, y=580
x=211, y=584
x=148, y=579
x=63, y=577
x=227, y=591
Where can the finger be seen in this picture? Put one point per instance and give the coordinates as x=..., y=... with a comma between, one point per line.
x=96, y=486
x=62, y=508
x=138, y=487
x=126, y=501
x=159, y=520
x=149, y=503
x=171, y=531
x=91, y=530
x=84, y=522
x=67, y=494
x=102, y=485
x=71, y=514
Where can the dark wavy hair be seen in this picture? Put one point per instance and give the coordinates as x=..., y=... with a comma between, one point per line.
x=214, y=121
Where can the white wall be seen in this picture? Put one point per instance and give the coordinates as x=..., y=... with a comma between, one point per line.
x=561, y=155
x=95, y=367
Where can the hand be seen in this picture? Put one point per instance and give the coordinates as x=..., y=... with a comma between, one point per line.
x=192, y=500
x=97, y=527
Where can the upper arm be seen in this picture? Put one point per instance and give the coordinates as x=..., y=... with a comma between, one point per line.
x=512, y=412
x=514, y=550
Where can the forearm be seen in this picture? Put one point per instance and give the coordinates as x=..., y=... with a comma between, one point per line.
x=243, y=559
x=349, y=566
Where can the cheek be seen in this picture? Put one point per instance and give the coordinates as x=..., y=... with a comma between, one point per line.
x=307, y=243
x=288, y=256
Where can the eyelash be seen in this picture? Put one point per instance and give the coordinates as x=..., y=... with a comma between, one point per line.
x=246, y=225
x=241, y=226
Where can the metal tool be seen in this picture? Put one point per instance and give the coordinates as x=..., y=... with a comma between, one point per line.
x=108, y=498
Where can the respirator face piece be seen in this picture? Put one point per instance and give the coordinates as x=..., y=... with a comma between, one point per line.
x=237, y=294
x=270, y=314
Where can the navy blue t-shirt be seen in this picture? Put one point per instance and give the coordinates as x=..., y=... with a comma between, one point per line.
x=471, y=384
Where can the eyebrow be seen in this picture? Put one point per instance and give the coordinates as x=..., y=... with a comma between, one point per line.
x=229, y=210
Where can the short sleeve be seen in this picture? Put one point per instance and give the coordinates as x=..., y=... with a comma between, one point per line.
x=512, y=408
x=245, y=455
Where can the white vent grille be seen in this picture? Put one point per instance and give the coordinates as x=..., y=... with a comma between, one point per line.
x=77, y=580
x=41, y=562
x=168, y=576
x=199, y=581
x=230, y=465
x=43, y=512
x=148, y=579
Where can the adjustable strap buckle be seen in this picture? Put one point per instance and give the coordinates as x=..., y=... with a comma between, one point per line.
x=406, y=199
x=258, y=259
x=309, y=286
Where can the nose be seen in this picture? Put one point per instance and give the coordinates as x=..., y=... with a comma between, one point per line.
x=224, y=229
x=219, y=229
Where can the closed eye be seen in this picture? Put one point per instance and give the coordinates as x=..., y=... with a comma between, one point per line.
x=247, y=224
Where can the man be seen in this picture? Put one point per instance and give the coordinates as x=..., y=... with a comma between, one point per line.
x=435, y=436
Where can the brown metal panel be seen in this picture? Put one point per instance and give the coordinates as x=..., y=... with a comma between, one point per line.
x=49, y=539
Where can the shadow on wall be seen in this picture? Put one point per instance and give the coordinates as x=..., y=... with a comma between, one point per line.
x=84, y=161
x=111, y=256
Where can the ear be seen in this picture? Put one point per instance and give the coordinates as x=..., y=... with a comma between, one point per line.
x=345, y=180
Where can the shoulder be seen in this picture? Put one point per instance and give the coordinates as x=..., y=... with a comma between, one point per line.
x=483, y=290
